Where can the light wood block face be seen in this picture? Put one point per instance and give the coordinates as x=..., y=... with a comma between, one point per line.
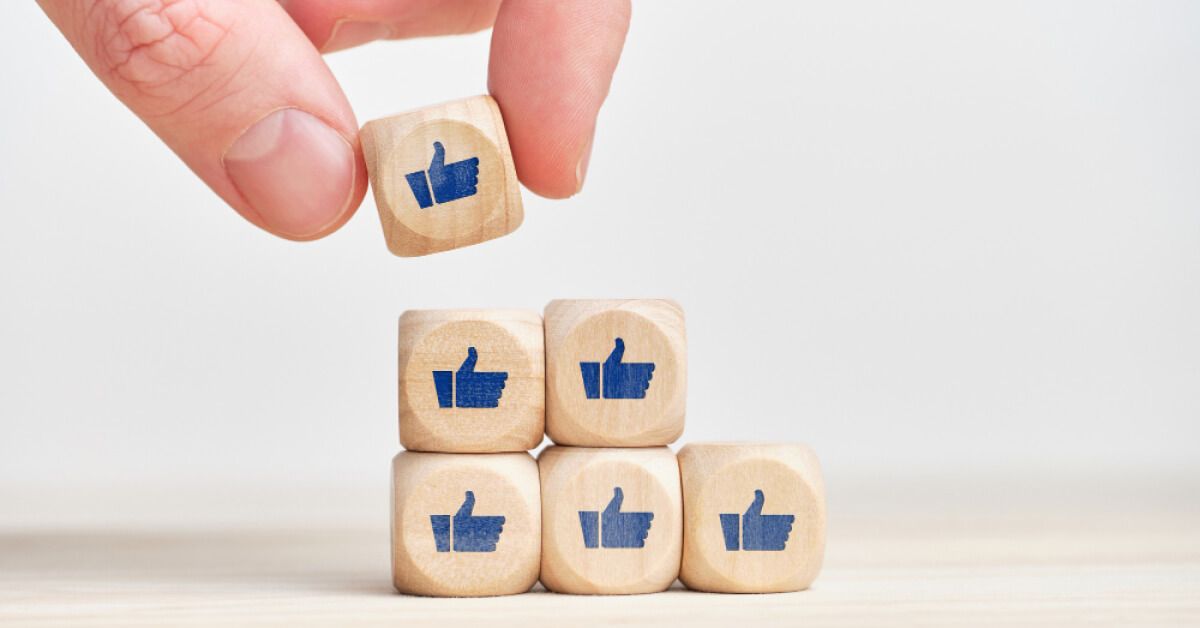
x=616, y=372
x=611, y=519
x=465, y=524
x=443, y=176
x=754, y=517
x=471, y=380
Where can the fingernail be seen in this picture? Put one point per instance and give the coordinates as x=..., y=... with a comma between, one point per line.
x=582, y=166
x=351, y=33
x=295, y=171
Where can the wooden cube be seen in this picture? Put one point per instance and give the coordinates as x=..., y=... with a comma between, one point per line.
x=465, y=524
x=754, y=517
x=471, y=380
x=611, y=519
x=443, y=176
x=616, y=372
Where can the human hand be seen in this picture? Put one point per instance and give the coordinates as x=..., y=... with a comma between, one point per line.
x=238, y=89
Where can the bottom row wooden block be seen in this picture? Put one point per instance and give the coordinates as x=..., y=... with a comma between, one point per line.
x=720, y=517
x=465, y=524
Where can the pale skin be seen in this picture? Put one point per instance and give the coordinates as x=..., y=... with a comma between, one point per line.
x=238, y=88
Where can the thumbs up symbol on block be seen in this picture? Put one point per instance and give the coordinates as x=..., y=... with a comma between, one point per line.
x=471, y=533
x=475, y=389
x=621, y=380
x=449, y=182
x=760, y=533
x=616, y=529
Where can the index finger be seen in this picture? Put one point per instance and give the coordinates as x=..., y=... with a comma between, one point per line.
x=551, y=66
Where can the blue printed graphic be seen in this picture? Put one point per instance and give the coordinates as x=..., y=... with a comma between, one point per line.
x=613, y=528
x=621, y=380
x=475, y=389
x=729, y=528
x=420, y=188
x=589, y=520
x=470, y=533
x=759, y=533
x=449, y=182
x=441, y=532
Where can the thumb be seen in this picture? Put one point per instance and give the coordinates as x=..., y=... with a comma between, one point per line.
x=614, y=505
x=439, y=157
x=468, y=505
x=756, y=506
x=468, y=365
x=239, y=93
x=618, y=351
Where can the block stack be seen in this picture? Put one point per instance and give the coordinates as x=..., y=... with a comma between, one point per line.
x=616, y=385
x=466, y=510
x=608, y=509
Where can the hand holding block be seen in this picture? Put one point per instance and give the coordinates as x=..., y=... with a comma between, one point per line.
x=616, y=372
x=443, y=176
x=465, y=524
x=471, y=380
x=754, y=517
x=611, y=519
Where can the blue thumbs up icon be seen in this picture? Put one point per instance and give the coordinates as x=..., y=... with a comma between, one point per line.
x=622, y=380
x=760, y=533
x=475, y=389
x=449, y=182
x=613, y=528
x=471, y=533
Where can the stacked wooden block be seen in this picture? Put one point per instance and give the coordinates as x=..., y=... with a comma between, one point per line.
x=608, y=509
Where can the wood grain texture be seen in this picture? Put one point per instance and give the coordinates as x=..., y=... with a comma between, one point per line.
x=579, y=480
x=505, y=341
x=582, y=334
x=425, y=485
x=949, y=549
x=721, y=482
x=403, y=144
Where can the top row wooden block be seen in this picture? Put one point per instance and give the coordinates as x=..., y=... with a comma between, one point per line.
x=443, y=176
x=596, y=373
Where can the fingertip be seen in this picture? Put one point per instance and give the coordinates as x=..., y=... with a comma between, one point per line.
x=550, y=71
x=298, y=178
x=357, y=194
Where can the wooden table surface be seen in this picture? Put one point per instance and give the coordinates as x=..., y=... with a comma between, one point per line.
x=1121, y=557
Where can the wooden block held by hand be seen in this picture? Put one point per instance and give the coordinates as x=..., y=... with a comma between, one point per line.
x=465, y=524
x=754, y=517
x=471, y=380
x=616, y=372
x=443, y=176
x=611, y=519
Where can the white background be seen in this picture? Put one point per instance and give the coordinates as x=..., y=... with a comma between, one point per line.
x=929, y=239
